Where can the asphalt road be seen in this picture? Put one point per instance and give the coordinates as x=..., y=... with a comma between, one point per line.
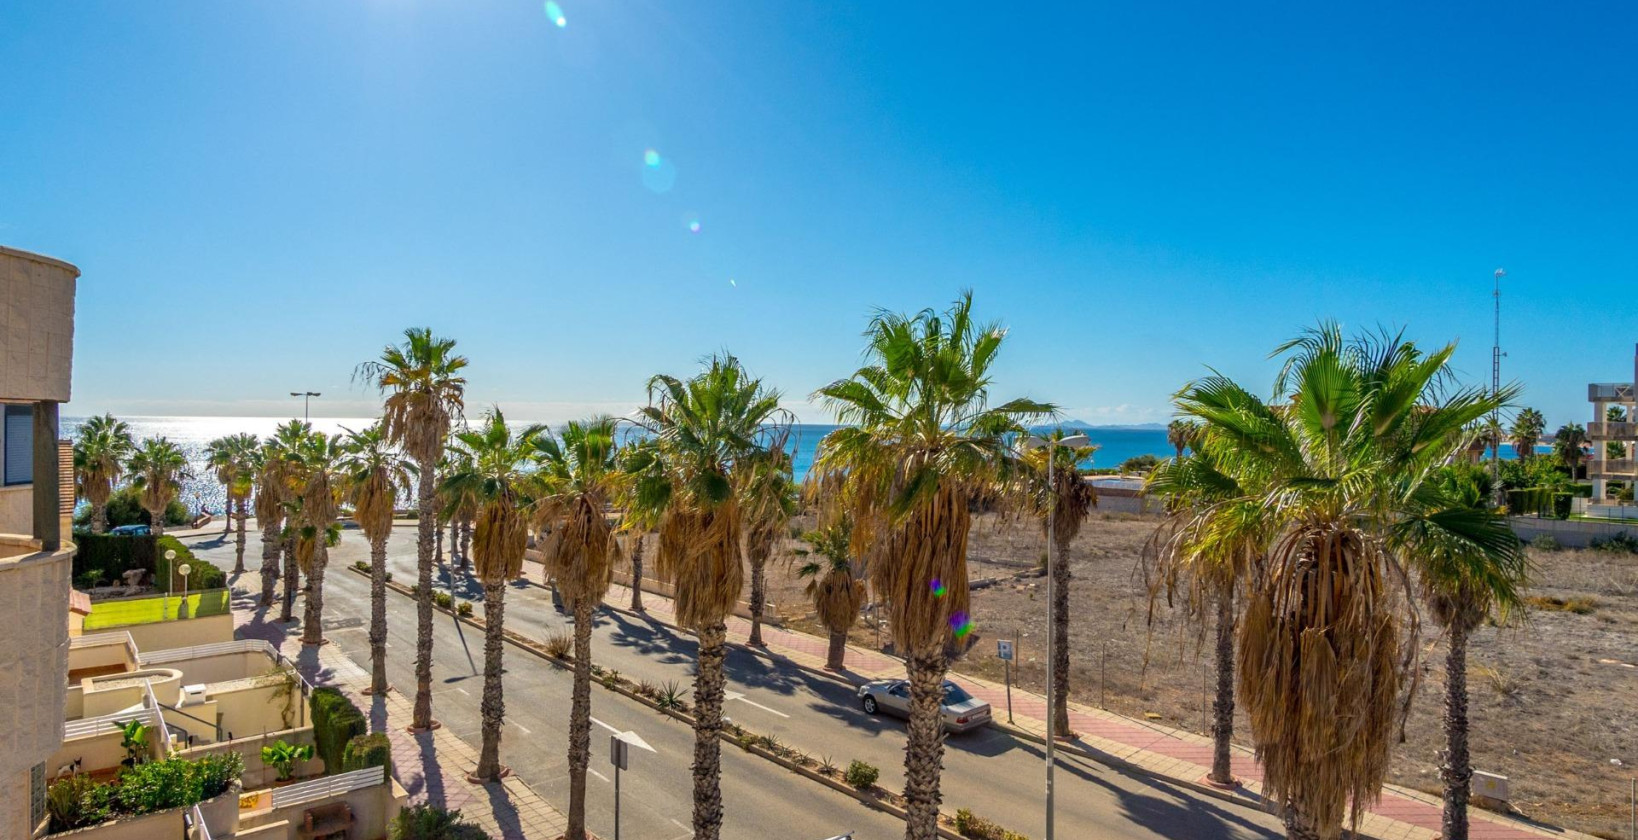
x=987, y=771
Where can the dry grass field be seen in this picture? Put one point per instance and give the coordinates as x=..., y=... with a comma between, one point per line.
x=1554, y=698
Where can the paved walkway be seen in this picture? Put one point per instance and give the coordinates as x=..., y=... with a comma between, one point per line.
x=432, y=766
x=1177, y=755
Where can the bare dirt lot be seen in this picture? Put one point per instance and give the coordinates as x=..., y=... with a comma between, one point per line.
x=1554, y=699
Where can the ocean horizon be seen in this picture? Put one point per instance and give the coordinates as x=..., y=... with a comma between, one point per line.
x=1115, y=444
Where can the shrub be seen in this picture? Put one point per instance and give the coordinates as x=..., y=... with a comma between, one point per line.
x=969, y=824
x=430, y=822
x=218, y=772
x=860, y=775
x=282, y=756
x=1621, y=543
x=464, y=609
x=559, y=644
x=1553, y=603
x=671, y=697
x=1139, y=464
x=443, y=599
x=1546, y=542
x=202, y=575
x=107, y=557
x=125, y=508
x=1561, y=505
x=335, y=722
x=78, y=801
x=363, y=751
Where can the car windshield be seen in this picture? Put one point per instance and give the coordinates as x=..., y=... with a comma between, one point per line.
x=953, y=694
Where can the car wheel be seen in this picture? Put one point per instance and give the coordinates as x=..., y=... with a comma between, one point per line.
x=870, y=704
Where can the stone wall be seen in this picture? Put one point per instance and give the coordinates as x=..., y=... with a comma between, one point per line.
x=1570, y=533
x=33, y=673
x=36, y=326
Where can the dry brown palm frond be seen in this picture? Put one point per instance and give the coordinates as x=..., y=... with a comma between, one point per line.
x=927, y=575
x=1318, y=672
x=373, y=502
x=306, y=550
x=699, y=554
x=419, y=422
x=499, y=539
x=837, y=597
x=581, y=549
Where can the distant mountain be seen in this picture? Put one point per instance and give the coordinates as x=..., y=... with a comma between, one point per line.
x=1145, y=427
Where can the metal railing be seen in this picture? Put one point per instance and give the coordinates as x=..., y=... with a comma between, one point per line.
x=196, y=821
x=87, y=727
x=328, y=786
x=1612, y=430
x=1609, y=391
x=201, y=651
x=159, y=716
x=112, y=637
x=187, y=737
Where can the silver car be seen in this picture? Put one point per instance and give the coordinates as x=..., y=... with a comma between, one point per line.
x=961, y=710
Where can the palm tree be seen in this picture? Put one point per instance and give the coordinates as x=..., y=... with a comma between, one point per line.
x=493, y=474
x=275, y=465
x=1615, y=449
x=1335, y=476
x=1210, y=572
x=157, y=468
x=767, y=501
x=922, y=445
x=425, y=397
x=578, y=478
x=101, y=446
x=1464, y=582
x=1528, y=425
x=318, y=486
x=1065, y=501
x=459, y=505
x=835, y=583
x=705, y=428
x=637, y=572
x=229, y=457
x=376, y=471
x=1570, y=445
x=1180, y=433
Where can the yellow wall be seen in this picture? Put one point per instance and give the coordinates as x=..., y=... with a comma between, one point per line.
x=220, y=668
x=186, y=632
x=255, y=710
x=373, y=810
x=100, y=656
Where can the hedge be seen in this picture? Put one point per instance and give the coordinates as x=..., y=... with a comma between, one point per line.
x=104, y=558
x=202, y=574
x=335, y=722
x=363, y=751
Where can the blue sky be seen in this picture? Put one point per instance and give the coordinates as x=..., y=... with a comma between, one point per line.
x=261, y=194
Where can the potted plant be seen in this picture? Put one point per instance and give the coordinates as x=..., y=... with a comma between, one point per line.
x=134, y=738
x=282, y=757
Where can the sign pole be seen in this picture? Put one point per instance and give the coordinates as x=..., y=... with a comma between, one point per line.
x=616, y=802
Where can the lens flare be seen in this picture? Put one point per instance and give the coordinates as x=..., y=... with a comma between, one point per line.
x=961, y=624
x=554, y=13
x=651, y=159
x=659, y=175
x=938, y=588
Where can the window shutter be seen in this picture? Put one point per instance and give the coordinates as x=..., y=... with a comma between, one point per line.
x=19, y=455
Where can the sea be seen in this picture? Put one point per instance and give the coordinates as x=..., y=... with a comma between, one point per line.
x=201, y=492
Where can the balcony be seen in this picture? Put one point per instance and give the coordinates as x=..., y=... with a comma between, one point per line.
x=1610, y=392
x=1611, y=468
x=1607, y=430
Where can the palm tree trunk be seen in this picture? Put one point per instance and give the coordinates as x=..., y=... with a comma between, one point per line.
x=759, y=595
x=466, y=544
x=312, y=630
x=422, y=718
x=637, y=575
x=99, y=517
x=438, y=543
x=1060, y=642
x=580, y=720
x=292, y=576
x=1299, y=827
x=239, y=539
x=924, y=748
x=378, y=615
x=227, y=509
x=837, y=653
x=156, y=522
x=1457, y=771
x=493, y=707
x=270, y=561
x=708, y=696
x=1222, y=709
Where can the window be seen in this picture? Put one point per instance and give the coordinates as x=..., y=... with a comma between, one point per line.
x=19, y=442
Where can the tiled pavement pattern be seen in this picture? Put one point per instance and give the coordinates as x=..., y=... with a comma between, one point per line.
x=432, y=766
x=1177, y=755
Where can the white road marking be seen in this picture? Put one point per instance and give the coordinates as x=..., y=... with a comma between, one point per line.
x=631, y=738
x=522, y=727
x=597, y=774
x=734, y=695
x=462, y=690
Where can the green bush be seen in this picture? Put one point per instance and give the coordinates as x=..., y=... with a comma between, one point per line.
x=335, y=722
x=125, y=508
x=202, y=574
x=1621, y=543
x=1561, y=505
x=152, y=786
x=430, y=822
x=373, y=750
x=78, y=801
x=861, y=775
x=1139, y=464
x=1531, y=500
x=102, y=558
x=1546, y=542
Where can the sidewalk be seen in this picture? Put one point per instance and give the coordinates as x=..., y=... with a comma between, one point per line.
x=432, y=766
x=1178, y=756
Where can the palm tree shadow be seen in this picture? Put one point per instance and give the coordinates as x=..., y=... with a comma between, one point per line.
x=650, y=638
x=506, y=813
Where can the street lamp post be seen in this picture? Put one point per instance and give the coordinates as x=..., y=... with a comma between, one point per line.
x=1036, y=442
x=306, y=399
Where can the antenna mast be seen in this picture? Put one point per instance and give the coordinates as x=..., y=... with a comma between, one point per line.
x=1495, y=383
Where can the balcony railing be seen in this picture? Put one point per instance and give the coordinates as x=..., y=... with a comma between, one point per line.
x=1611, y=468
x=1612, y=430
x=1609, y=391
